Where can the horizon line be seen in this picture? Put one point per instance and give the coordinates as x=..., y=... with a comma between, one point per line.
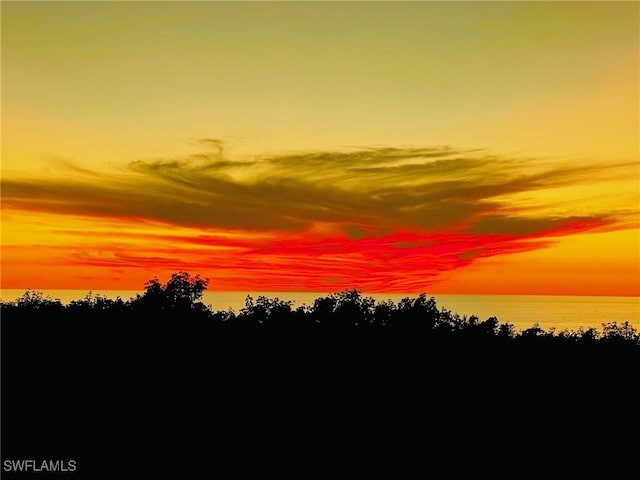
x=323, y=292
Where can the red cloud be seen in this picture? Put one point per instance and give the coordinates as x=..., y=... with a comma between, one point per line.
x=303, y=261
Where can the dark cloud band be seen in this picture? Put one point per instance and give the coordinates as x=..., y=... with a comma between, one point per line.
x=365, y=191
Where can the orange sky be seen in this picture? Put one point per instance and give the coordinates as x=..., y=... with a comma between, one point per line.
x=481, y=147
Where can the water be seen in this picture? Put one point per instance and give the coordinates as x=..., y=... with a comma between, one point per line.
x=523, y=311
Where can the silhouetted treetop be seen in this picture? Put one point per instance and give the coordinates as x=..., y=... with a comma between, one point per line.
x=181, y=291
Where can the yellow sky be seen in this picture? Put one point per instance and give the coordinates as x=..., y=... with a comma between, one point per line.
x=91, y=88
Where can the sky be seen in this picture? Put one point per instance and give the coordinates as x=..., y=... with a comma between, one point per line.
x=440, y=147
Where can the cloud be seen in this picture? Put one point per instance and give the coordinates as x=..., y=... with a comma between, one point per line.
x=377, y=188
x=521, y=226
x=364, y=215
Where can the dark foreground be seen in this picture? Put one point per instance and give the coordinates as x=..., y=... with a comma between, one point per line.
x=137, y=391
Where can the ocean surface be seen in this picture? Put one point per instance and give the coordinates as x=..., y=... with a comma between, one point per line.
x=522, y=311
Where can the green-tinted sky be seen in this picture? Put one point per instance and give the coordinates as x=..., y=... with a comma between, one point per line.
x=137, y=78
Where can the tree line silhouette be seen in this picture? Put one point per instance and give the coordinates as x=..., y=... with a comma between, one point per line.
x=179, y=300
x=98, y=378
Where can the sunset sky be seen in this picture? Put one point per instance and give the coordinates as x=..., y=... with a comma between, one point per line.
x=441, y=147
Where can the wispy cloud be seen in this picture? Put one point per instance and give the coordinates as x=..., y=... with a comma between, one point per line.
x=379, y=188
x=361, y=215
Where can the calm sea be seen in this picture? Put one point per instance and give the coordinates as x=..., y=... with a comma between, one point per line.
x=523, y=311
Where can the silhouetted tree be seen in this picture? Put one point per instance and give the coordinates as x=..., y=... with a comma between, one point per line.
x=267, y=312
x=36, y=300
x=614, y=333
x=420, y=313
x=181, y=292
x=96, y=303
x=383, y=313
x=506, y=330
x=351, y=309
